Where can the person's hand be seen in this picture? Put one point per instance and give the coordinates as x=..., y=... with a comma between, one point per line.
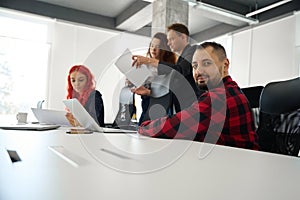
x=72, y=120
x=140, y=60
x=141, y=91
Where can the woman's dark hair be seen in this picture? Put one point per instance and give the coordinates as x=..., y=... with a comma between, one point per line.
x=165, y=53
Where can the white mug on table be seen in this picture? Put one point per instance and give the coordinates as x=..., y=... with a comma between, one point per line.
x=22, y=117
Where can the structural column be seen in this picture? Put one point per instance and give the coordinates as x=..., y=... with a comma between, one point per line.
x=167, y=12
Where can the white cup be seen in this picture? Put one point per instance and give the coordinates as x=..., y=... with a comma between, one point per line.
x=22, y=117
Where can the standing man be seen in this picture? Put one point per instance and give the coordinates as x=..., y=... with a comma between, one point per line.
x=182, y=84
x=222, y=115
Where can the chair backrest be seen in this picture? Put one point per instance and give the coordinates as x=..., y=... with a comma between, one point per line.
x=127, y=109
x=281, y=97
x=40, y=104
x=253, y=95
x=279, y=127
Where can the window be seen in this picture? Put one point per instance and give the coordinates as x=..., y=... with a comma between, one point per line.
x=23, y=65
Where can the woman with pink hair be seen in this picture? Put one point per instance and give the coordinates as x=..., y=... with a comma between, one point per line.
x=81, y=85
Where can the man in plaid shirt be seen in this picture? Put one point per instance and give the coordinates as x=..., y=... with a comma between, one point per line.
x=222, y=115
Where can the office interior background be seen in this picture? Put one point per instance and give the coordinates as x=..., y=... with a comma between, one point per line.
x=41, y=40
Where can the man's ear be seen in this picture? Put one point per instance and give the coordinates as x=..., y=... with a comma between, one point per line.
x=226, y=66
x=226, y=63
x=184, y=37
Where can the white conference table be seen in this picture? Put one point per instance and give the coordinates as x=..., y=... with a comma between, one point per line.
x=55, y=165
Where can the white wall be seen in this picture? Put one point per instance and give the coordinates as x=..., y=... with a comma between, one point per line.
x=265, y=53
x=240, y=58
x=272, y=55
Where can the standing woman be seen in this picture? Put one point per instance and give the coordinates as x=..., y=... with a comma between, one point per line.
x=159, y=50
x=81, y=85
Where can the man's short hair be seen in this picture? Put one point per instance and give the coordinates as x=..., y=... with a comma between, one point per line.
x=218, y=49
x=180, y=28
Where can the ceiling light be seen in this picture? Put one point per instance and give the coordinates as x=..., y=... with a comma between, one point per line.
x=225, y=14
x=267, y=8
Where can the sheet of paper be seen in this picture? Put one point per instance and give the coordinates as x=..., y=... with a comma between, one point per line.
x=137, y=76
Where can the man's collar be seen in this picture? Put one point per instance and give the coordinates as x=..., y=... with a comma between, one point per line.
x=185, y=48
x=224, y=80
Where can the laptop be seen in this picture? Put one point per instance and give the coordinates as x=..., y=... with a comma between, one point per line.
x=30, y=127
x=87, y=121
x=46, y=116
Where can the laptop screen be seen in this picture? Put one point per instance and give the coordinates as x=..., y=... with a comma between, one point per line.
x=86, y=120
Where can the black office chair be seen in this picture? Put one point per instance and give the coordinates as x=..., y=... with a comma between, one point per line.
x=253, y=96
x=279, y=127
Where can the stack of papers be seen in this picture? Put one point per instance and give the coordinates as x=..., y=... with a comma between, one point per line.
x=136, y=76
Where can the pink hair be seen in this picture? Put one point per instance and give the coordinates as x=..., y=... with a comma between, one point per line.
x=90, y=86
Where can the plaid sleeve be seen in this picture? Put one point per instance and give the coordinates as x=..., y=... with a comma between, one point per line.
x=188, y=124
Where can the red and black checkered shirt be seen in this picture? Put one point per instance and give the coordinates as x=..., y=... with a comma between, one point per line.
x=221, y=116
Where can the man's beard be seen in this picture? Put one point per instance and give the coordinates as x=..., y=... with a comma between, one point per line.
x=211, y=83
x=202, y=86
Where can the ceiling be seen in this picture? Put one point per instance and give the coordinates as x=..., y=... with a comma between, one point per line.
x=132, y=15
